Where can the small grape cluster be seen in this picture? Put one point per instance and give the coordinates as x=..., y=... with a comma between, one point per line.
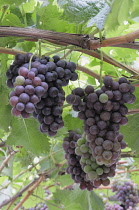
x=96, y=173
x=103, y=111
x=39, y=206
x=127, y=194
x=73, y=161
x=113, y=207
x=38, y=88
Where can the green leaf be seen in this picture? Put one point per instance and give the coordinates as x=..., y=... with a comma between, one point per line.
x=26, y=133
x=78, y=199
x=12, y=20
x=100, y=18
x=72, y=123
x=131, y=132
x=118, y=14
x=11, y=2
x=74, y=10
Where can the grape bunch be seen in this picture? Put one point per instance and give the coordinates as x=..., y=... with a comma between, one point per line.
x=38, y=89
x=73, y=161
x=127, y=194
x=113, y=207
x=26, y=94
x=103, y=111
x=96, y=173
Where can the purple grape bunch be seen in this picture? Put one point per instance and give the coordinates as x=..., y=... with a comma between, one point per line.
x=103, y=112
x=113, y=207
x=73, y=160
x=126, y=194
x=38, y=89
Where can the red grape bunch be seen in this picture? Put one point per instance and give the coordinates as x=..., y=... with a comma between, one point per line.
x=38, y=86
x=27, y=92
x=103, y=111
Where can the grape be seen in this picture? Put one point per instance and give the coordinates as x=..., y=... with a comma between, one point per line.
x=29, y=89
x=101, y=124
x=114, y=85
x=34, y=99
x=123, y=121
x=29, y=107
x=105, y=116
x=117, y=95
x=20, y=106
x=94, y=130
x=90, y=121
x=20, y=80
x=98, y=150
x=92, y=175
x=99, y=171
x=107, y=81
x=107, y=155
x=107, y=145
x=103, y=98
x=19, y=90
x=53, y=92
x=44, y=127
x=25, y=115
x=92, y=97
x=15, y=112
x=39, y=91
x=83, y=148
x=71, y=66
x=78, y=91
x=24, y=98
x=14, y=100
x=89, y=89
x=74, y=76
x=99, y=141
x=48, y=119
x=36, y=81
x=23, y=71
x=98, y=106
x=87, y=168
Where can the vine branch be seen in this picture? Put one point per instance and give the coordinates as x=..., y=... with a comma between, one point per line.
x=30, y=191
x=7, y=160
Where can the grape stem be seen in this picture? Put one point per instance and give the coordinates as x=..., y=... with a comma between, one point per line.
x=7, y=159
x=101, y=59
x=133, y=111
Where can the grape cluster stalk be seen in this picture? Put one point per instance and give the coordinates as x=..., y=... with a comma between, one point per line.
x=103, y=112
x=37, y=84
x=126, y=194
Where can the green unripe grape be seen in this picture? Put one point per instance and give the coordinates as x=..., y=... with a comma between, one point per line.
x=92, y=175
x=106, y=169
x=87, y=169
x=99, y=171
x=80, y=141
x=19, y=80
x=84, y=148
x=83, y=160
x=107, y=162
x=88, y=161
x=93, y=159
x=94, y=166
x=103, y=98
x=78, y=151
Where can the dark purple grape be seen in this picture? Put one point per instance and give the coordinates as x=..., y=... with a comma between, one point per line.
x=15, y=112
x=29, y=107
x=107, y=81
x=20, y=106
x=39, y=91
x=24, y=98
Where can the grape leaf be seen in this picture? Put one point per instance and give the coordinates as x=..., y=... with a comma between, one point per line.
x=131, y=132
x=79, y=199
x=26, y=133
x=100, y=18
x=74, y=10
